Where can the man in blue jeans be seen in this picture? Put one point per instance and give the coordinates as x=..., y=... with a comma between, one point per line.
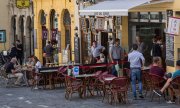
x=136, y=60
x=116, y=54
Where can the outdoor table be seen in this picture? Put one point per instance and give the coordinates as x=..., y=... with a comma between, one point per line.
x=48, y=75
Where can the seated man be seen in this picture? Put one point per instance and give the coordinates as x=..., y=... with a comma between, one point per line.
x=14, y=72
x=168, y=82
x=156, y=67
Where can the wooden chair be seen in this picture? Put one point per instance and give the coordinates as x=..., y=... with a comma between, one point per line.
x=59, y=78
x=73, y=85
x=157, y=83
x=176, y=87
x=146, y=80
x=119, y=88
x=7, y=80
x=95, y=84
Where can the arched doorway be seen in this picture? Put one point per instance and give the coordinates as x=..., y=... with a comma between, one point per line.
x=67, y=26
x=43, y=33
x=54, y=32
x=13, y=29
x=29, y=38
x=21, y=34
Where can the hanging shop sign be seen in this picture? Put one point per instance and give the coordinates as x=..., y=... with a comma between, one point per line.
x=22, y=3
x=83, y=25
x=100, y=23
x=169, y=50
x=53, y=34
x=92, y=24
x=44, y=32
x=173, y=26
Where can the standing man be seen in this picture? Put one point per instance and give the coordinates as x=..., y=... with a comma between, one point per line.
x=95, y=51
x=19, y=48
x=116, y=54
x=136, y=60
x=49, y=52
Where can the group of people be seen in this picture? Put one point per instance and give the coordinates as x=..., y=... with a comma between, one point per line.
x=49, y=54
x=17, y=51
x=136, y=61
x=13, y=69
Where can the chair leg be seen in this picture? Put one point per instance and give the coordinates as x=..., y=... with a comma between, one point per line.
x=152, y=96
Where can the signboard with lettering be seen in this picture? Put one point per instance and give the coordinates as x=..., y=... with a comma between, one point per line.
x=92, y=24
x=169, y=50
x=83, y=25
x=22, y=3
x=100, y=23
x=173, y=26
x=101, y=14
x=77, y=49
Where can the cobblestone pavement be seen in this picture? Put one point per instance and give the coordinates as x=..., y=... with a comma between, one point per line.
x=25, y=98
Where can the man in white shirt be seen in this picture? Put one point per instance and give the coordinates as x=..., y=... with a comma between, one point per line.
x=96, y=51
x=136, y=60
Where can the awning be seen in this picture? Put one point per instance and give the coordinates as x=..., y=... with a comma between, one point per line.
x=112, y=8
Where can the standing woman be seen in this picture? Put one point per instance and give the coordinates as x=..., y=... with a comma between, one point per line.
x=37, y=66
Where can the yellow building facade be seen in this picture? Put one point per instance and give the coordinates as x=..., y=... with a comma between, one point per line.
x=55, y=16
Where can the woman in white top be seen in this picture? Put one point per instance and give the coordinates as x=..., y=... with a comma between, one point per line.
x=37, y=66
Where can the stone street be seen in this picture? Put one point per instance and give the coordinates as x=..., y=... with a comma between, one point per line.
x=26, y=98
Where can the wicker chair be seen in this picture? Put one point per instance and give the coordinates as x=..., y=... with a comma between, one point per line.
x=73, y=85
x=59, y=78
x=176, y=82
x=157, y=82
x=119, y=88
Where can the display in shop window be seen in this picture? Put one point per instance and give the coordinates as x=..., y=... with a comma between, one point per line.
x=155, y=17
x=44, y=32
x=100, y=23
x=118, y=21
x=144, y=17
x=2, y=36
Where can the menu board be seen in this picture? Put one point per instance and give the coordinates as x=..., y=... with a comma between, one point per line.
x=76, y=50
x=169, y=50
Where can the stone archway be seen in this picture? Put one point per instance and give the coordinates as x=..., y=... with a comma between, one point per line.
x=28, y=38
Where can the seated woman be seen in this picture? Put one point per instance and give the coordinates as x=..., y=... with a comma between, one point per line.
x=156, y=67
x=30, y=67
x=37, y=66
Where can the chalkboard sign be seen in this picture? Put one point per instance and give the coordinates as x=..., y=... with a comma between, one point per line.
x=76, y=50
x=169, y=50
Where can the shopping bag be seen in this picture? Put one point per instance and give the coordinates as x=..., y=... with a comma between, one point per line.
x=119, y=70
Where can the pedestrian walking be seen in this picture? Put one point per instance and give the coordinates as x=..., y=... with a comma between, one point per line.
x=136, y=60
x=116, y=55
